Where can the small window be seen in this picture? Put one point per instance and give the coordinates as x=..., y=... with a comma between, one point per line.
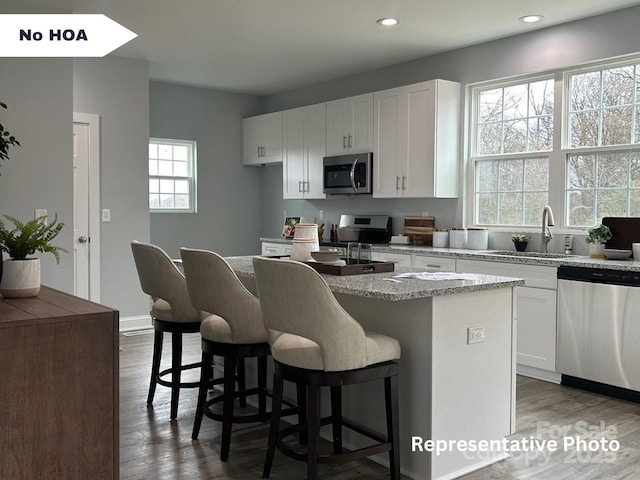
x=172, y=182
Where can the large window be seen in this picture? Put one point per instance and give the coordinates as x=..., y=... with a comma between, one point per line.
x=172, y=175
x=513, y=135
x=602, y=155
x=582, y=156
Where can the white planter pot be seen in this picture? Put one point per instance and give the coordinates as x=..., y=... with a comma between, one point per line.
x=20, y=278
x=596, y=250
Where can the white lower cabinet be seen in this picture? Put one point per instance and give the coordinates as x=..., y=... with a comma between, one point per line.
x=275, y=249
x=434, y=263
x=400, y=259
x=535, y=305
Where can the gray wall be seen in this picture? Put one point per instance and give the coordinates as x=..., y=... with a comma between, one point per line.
x=39, y=174
x=117, y=89
x=574, y=43
x=229, y=195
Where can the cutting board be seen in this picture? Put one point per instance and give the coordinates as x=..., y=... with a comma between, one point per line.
x=419, y=230
x=624, y=231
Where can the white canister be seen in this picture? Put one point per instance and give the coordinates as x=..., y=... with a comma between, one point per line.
x=477, y=239
x=441, y=238
x=458, y=238
x=306, y=230
x=301, y=249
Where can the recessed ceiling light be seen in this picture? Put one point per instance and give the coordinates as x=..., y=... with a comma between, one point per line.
x=388, y=22
x=531, y=18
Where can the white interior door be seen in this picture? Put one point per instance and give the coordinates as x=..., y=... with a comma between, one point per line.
x=86, y=212
x=81, y=209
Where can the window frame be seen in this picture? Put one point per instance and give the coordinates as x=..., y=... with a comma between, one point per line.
x=558, y=156
x=472, y=145
x=191, y=177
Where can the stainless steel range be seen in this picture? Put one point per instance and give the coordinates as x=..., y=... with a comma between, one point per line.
x=363, y=229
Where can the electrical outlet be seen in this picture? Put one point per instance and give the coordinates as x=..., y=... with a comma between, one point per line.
x=321, y=216
x=106, y=215
x=475, y=335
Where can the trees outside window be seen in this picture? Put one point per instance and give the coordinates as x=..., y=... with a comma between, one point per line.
x=514, y=139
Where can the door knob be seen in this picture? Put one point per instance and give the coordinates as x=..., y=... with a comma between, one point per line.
x=83, y=239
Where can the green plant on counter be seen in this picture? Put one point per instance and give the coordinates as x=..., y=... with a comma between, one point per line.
x=520, y=237
x=598, y=234
x=30, y=237
x=6, y=139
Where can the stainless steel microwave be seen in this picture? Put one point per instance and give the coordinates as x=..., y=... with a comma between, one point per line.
x=347, y=174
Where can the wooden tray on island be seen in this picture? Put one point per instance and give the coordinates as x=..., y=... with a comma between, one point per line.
x=353, y=269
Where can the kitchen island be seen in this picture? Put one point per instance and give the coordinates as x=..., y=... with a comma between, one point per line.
x=457, y=371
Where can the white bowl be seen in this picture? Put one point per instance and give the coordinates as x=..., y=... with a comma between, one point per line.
x=613, y=254
x=324, y=256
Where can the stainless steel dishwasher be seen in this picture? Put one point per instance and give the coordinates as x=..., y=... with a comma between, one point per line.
x=598, y=345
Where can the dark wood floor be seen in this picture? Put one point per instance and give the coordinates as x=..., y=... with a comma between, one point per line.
x=152, y=447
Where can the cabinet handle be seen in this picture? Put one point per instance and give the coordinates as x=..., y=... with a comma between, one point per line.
x=433, y=266
x=299, y=186
x=404, y=182
x=397, y=182
x=350, y=143
x=305, y=187
x=263, y=154
x=344, y=141
x=258, y=151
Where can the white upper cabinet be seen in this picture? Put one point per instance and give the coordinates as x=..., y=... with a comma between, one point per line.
x=350, y=125
x=262, y=139
x=304, y=147
x=416, y=138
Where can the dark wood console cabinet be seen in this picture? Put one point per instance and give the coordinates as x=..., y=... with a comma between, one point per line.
x=58, y=388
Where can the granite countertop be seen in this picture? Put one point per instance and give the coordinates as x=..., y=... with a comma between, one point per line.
x=379, y=285
x=529, y=258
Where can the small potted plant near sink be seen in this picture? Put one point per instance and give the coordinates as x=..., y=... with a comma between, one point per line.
x=596, y=238
x=520, y=241
x=21, y=276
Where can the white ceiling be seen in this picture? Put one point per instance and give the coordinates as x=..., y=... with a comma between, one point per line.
x=268, y=46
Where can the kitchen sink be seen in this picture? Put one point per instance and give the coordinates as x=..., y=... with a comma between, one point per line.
x=514, y=253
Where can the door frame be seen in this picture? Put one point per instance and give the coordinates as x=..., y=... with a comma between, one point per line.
x=93, y=122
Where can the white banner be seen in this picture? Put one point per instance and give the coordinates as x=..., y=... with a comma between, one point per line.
x=62, y=35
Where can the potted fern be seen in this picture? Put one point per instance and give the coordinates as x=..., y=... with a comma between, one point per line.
x=21, y=277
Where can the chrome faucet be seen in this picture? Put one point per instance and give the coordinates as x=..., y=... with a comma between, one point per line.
x=547, y=221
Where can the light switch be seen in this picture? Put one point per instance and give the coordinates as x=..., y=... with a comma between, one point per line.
x=106, y=215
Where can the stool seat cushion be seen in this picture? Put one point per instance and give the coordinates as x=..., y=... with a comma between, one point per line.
x=216, y=329
x=302, y=352
x=162, y=311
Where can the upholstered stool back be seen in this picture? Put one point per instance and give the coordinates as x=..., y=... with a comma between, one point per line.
x=308, y=327
x=164, y=282
x=214, y=287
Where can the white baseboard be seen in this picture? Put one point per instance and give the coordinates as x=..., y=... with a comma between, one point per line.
x=546, y=375
x=141, y=322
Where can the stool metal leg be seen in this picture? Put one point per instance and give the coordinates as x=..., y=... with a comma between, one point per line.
x=336, y=416
x=176, y=371
x=262, y=385
x=227, y=405
x=302, y=412
x=155, y=364
x=313, y=419
x=206, y=372
x=393, y=429
x=242, y=383
x=276, y=408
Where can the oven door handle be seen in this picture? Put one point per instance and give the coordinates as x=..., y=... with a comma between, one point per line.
x=352, y=174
